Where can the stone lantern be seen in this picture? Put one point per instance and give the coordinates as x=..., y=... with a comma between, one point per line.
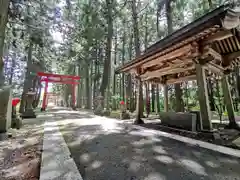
x=99, y=105
x=123, y=111
x=16, y=121
x=5, y=108
x=122, y=106
x=29, y=113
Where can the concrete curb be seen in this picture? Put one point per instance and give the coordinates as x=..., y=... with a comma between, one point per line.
x=56, y=161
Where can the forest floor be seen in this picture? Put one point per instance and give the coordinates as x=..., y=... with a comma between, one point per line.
x=20, y=154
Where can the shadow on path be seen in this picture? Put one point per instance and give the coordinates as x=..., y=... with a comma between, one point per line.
x=115, y=151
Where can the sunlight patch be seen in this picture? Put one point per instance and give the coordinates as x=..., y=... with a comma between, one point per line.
x=109, y=125
x=159, y=149
x=193, y=166
x=230, y=161
x=63, y=111
x=139, y=158
x=73, y=144
x=123, y=148
x=134, y=166
x=142, y=142
x=96, y=164
x=140, y=133
x=85, y=157
x=139, y=151
x=165, y=159
x=155, y=139
x=155, y=176
x=212, y=164
x=44, y=115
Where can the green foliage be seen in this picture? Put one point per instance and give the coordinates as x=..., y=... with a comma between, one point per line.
x=81, y=48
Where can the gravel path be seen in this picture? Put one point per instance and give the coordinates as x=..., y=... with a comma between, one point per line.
x=104, y=149
x=20, y=155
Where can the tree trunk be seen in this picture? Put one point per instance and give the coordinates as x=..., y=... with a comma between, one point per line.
x=178, y=93
x=137, y=50
x=139, y=104
x=79, y=89
x=91, y=82
x=210, y=4
x=128, y=91
x=66, y=95
x=3, y=21
x=87, y=86
x=186, y=96
x=107, y=62
x=95, y=79
x=148, y=108
x=157, y=98
x=123, y=60
x=159, y=9
x=28, y=77
x=168, y=10
x=153, y=97
x=114, y=105
x=210, y=94
x=12, y=68
x=130, y=86
x=37, y=100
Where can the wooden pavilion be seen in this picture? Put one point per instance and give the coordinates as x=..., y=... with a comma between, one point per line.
x=208, y=46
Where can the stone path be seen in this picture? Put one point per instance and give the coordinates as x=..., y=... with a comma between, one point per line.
x=56, y=163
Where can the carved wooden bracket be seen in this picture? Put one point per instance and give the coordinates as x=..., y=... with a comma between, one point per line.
x=218, y=36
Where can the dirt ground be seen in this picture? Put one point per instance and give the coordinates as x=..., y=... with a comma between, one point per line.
x=20, y=155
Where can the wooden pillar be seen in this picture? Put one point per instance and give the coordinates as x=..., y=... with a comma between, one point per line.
x=166, y=98
x=228, y=101
x=203, y=98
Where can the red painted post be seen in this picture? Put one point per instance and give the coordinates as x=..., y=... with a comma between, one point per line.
x=45, y=97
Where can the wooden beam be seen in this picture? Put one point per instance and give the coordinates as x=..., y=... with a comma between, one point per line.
x=214, y=67
x=151, y=75
x=134, y=72
x=218, y=36
x=182, y=79
x=232, y=56
x=168, y=70
x=171, y=55
x=209, y=51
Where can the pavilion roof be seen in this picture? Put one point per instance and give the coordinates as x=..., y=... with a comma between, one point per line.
x=214, y=34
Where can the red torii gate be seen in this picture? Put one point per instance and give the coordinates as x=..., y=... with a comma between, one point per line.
x=58, y=78
x=50, y=95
